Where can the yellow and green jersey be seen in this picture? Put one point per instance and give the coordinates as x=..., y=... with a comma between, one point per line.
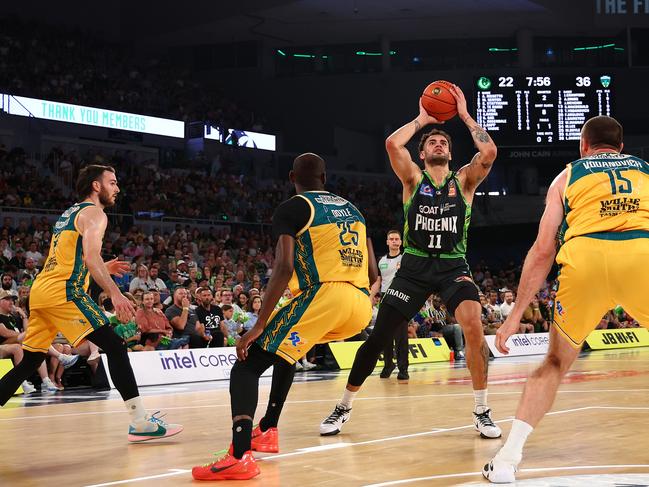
x=64, y=276
x=605, y=195
x=332, y=246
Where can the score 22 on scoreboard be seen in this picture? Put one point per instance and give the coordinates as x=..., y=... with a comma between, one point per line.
x=532, y=110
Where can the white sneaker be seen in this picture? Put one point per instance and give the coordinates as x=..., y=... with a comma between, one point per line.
x=459, y=355
x=68, y=360
x=48, y=386
x=28, y=387
x=333, y=423
x=298, y=366
x=308, y=365
x=483, y=423
x=500, y=472
x=152, y=428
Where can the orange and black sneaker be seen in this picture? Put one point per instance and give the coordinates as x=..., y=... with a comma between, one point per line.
x=226, y=467
x=265, y=441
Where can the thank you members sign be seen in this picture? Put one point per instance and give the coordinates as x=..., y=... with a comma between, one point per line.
x=96, y=117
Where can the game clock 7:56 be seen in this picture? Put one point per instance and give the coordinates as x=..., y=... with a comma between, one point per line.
x=538, y=80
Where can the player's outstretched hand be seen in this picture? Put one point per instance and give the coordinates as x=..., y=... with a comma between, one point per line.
x=507, y=329
x=124, y=309
x=117, y=267
x=460, y=100
x=244, y=342
x=424, y=117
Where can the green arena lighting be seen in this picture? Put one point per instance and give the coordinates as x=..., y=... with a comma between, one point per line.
x=590, y=48
x=365, y=53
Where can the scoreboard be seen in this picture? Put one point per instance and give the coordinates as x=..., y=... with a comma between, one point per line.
x=539, y=110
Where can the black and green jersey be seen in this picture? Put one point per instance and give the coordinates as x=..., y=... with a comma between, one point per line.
x=436, y=219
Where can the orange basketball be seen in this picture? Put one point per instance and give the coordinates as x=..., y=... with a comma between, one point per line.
x=438, y=101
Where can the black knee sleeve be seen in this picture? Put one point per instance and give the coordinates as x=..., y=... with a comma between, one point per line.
x=283, y=374
x=11, y=381
x=119, y=364
x=244, y=380
x=388, y=321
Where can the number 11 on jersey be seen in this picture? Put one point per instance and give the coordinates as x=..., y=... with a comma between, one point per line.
x=435, y=242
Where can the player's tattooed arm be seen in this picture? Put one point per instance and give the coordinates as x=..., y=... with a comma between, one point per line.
x=480, y=135
x=478, y=169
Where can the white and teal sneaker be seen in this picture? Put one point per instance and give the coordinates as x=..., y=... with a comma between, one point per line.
x=152, y=428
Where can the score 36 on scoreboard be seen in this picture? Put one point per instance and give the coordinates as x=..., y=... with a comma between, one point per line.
x=539, y=110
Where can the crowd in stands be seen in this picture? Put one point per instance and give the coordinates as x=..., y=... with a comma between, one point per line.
x=199, y=193
x=67, y=65
x=196, y=289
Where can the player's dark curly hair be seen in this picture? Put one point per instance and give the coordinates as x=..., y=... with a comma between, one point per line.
x=425, y=136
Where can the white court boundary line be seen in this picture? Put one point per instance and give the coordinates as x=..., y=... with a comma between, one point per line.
x=524, y=470
x=303, y=451
x=306, y=401
x=438, y=430
x=172, y=472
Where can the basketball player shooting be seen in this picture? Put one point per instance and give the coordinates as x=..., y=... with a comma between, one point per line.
x=437, y=205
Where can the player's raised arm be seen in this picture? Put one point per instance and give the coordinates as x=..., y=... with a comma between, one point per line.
x=400, y=160
x=478, y=169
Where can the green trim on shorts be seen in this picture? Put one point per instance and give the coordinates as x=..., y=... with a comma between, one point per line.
x=421, y=253
x=91, y=311
x=629, y=235
x=285, y=319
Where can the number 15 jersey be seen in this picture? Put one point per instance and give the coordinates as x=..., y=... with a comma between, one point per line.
x=330, y=240
x=607, y=192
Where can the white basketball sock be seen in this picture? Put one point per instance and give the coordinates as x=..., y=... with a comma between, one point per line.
x=348, y=398
x=135, y=409
x=512, y=450
x=480, y=398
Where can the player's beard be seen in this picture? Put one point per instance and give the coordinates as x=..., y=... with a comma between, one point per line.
x=438, y=160
x=105, y=198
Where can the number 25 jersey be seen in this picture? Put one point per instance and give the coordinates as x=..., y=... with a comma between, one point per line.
x=332, y=246
x=607, y=192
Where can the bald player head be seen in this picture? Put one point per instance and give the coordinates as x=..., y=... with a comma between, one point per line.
x=308, y=172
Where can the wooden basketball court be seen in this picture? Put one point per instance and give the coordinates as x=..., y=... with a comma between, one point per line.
x=415, y=434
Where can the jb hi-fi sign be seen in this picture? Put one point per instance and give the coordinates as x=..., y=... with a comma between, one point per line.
x=622, y=7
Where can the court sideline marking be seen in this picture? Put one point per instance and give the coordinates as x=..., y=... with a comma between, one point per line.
x=307, y=401
x=302, y=451
x=524, y=470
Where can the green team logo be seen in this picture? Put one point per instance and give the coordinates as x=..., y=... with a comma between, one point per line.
x=605, y=80
x=484, y=83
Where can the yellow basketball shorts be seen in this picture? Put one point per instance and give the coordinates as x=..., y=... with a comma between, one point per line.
x=76, y=319
x=597, y=273
x=323, y=313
